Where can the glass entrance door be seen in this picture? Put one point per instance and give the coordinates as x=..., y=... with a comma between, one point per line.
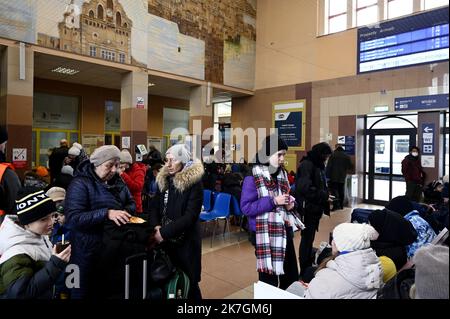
x=385, y=152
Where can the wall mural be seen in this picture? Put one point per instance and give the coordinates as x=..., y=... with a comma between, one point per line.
x=228, y=30
x=202, y=39
x=18, y=20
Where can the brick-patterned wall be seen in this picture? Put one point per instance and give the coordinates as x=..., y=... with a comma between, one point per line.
x=210, y=21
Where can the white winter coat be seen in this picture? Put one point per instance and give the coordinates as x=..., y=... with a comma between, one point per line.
x=354, y=275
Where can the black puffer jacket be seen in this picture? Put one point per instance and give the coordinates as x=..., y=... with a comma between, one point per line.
x=311, y=188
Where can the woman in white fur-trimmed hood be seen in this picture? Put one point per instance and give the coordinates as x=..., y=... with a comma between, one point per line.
x=176, y=210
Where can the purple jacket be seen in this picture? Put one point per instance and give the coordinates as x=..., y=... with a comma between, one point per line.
x=251, y=206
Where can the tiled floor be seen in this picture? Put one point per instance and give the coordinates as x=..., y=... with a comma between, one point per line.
x=229, y=267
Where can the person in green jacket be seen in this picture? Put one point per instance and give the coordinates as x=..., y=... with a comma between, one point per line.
x=29, y=266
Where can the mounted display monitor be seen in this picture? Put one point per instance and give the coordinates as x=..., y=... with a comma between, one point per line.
x=417, y=39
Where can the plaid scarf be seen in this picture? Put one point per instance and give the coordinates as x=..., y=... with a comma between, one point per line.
x=270, y=226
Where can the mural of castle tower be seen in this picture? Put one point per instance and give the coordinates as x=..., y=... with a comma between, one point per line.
x=102, y=29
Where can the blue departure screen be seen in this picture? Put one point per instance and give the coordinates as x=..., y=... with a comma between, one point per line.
x=422, y=38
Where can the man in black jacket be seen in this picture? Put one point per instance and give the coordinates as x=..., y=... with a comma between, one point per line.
x=312, y=197
x=338, y=166
x=56, y=159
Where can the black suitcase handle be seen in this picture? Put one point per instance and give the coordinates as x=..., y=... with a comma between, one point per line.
x=128, y=260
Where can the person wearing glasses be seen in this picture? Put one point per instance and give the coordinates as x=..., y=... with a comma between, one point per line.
x=95, y=195
x=175, y=213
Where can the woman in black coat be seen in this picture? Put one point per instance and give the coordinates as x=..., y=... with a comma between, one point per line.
x=176, y=211
x=311, y=193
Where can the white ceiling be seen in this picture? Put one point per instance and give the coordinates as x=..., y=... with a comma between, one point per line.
x=90, y=74
x=109, y=77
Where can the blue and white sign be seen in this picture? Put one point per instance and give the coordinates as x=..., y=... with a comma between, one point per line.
x=428, y=130
x=417, y=39
x=348, y=144
x=423, y=102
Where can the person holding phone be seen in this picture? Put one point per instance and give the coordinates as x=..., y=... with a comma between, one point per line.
x=29, y=266
x=265, y=200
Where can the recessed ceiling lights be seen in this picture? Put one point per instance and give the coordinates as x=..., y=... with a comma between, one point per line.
x=151, y=84
x=66, y=71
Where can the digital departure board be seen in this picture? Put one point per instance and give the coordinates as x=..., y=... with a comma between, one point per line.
x=417, y=39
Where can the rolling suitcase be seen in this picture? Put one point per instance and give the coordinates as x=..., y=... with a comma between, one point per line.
x=152, y=292
x=361, y=215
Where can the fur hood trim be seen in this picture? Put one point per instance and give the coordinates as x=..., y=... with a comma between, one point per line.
x=183, y=180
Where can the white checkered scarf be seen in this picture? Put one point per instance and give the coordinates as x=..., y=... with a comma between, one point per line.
x=270, y=226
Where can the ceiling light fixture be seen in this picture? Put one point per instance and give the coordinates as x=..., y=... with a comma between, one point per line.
x=151, y=84
x=67, y=71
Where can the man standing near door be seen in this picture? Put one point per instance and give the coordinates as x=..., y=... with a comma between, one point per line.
x=338, y=166
x=414, y=174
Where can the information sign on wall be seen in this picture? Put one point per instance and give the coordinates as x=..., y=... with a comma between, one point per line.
x=289, y=118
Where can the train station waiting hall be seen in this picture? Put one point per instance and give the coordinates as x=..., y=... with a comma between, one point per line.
x=234, y=149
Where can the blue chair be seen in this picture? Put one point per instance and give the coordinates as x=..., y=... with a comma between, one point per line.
x=238, y=213
x=221, y=210
x=207, y=200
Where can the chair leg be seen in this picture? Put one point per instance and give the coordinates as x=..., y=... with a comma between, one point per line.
x=214, y=232
x=225, y=227
x=228, y=226
x=240, y=227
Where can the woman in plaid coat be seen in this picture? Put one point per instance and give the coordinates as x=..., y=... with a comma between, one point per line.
x=265, y=200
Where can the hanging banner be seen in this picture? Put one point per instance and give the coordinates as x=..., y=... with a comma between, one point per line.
x=289, y=118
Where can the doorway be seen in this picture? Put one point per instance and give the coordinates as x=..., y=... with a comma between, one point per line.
x=387, y=144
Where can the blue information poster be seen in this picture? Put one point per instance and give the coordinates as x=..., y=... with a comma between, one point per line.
x=289, y=120
x=289, y=127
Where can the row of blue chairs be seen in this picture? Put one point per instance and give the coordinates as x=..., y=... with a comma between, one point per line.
x=219, y=206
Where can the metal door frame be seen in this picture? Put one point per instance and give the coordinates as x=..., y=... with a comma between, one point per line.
x=412, y=132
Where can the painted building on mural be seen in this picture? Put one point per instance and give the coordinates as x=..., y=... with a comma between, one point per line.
x=102, y=29
x=206, y=40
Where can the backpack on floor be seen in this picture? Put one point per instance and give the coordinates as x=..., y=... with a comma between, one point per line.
x=178, y=286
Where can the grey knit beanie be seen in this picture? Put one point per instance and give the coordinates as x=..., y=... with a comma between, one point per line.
x=103, y=154
x=67, y=169
x=125, y=157
x=431, y=281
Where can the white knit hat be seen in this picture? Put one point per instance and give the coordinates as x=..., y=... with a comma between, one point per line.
x=352, y=236
x=75, y=151
x=77, y=145
x=125, y=157
x=180, y=152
